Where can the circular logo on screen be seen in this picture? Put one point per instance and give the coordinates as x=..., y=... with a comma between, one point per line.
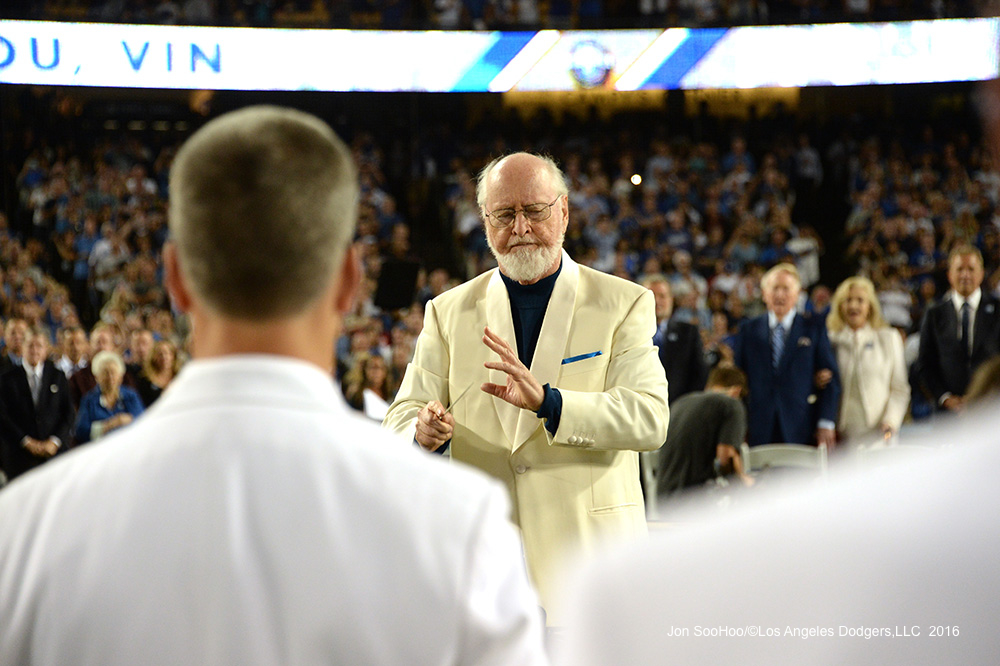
x=591, y=63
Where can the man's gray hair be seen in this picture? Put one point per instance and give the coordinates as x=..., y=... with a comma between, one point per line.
x=649, y=280
x=768, y=277
x=556, y=176
x=263, y=204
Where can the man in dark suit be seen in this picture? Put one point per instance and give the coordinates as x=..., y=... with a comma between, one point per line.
x=679, y=343
x=36, y=417
x=785, y=354
x=959, y=333
x=13, y=341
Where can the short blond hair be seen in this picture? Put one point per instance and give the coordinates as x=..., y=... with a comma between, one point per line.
x=263, y=203
x=964, y=250
x=835, y=321
x=785, y=267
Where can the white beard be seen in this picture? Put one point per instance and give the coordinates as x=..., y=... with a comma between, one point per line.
x=527, y=263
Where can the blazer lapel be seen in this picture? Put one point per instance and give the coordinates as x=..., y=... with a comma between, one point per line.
x=948, y=331
x=984, y=322
x=867, y=339
x=24, y=389
x=499, y=319
x=46, y=396
x=552, y=340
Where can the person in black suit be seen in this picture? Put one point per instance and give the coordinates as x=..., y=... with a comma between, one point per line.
x=790, y=366
x=13, y=339
x=959, y=333
x=682, y=355
x=679, y=343
x=36, y=418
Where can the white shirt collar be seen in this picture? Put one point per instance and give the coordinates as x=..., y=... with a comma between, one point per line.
x=786, y=321
x=32, y=369
x=65, y=360
x=973, y=299
x=253, y=377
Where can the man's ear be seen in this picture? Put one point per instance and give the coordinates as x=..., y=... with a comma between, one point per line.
x=564, y=211
x=173, y=279
x=348, y=282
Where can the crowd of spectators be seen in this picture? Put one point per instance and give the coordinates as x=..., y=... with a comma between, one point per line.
x=490, y=14
x=710, y=210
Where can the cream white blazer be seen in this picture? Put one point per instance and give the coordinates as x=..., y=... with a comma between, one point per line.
x=577, y=488
x=875, y=358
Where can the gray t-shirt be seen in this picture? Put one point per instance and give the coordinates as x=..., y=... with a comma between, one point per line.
x=698, y=422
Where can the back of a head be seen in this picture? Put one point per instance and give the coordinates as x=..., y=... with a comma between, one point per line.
x=262, y=208
x=727, y=376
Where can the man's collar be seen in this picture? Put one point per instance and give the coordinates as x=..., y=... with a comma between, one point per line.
x=973, y=299
x=786, y=321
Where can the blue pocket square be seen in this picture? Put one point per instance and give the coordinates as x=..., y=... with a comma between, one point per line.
x=574, y=359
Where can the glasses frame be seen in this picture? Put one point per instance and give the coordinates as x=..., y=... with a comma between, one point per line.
x=496, y=224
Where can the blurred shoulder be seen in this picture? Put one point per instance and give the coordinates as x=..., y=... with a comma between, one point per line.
x=889, y=336
x=813, y=322
x=610, y=283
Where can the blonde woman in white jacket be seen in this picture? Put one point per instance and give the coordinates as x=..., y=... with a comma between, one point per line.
x=875, y=389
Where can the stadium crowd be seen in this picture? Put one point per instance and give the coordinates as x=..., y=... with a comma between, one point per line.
x=711, y=209
x=487, y=14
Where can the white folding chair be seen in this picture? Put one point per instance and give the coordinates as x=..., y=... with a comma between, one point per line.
x=758, y=458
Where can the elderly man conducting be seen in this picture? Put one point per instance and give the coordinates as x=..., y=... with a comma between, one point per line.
x=565, y=382
x=240, y=521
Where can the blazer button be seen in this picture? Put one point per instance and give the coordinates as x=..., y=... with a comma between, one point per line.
x=573, y=439
x=521, y=469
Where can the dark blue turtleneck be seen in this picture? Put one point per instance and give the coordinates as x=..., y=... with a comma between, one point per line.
x=527, y=309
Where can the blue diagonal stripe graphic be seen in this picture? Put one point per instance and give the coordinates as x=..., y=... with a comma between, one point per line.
x=479, y=76
x=669, y=74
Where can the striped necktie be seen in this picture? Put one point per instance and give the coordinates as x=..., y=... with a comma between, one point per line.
x=777, y=344
x=34, y=381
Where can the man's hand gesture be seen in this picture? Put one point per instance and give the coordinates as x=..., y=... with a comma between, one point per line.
x=522, y=389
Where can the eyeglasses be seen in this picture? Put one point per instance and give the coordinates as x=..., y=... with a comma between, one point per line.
x=536, y=212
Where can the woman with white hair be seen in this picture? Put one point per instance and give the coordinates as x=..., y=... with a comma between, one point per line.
x=876, y=392
x=109, y=405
